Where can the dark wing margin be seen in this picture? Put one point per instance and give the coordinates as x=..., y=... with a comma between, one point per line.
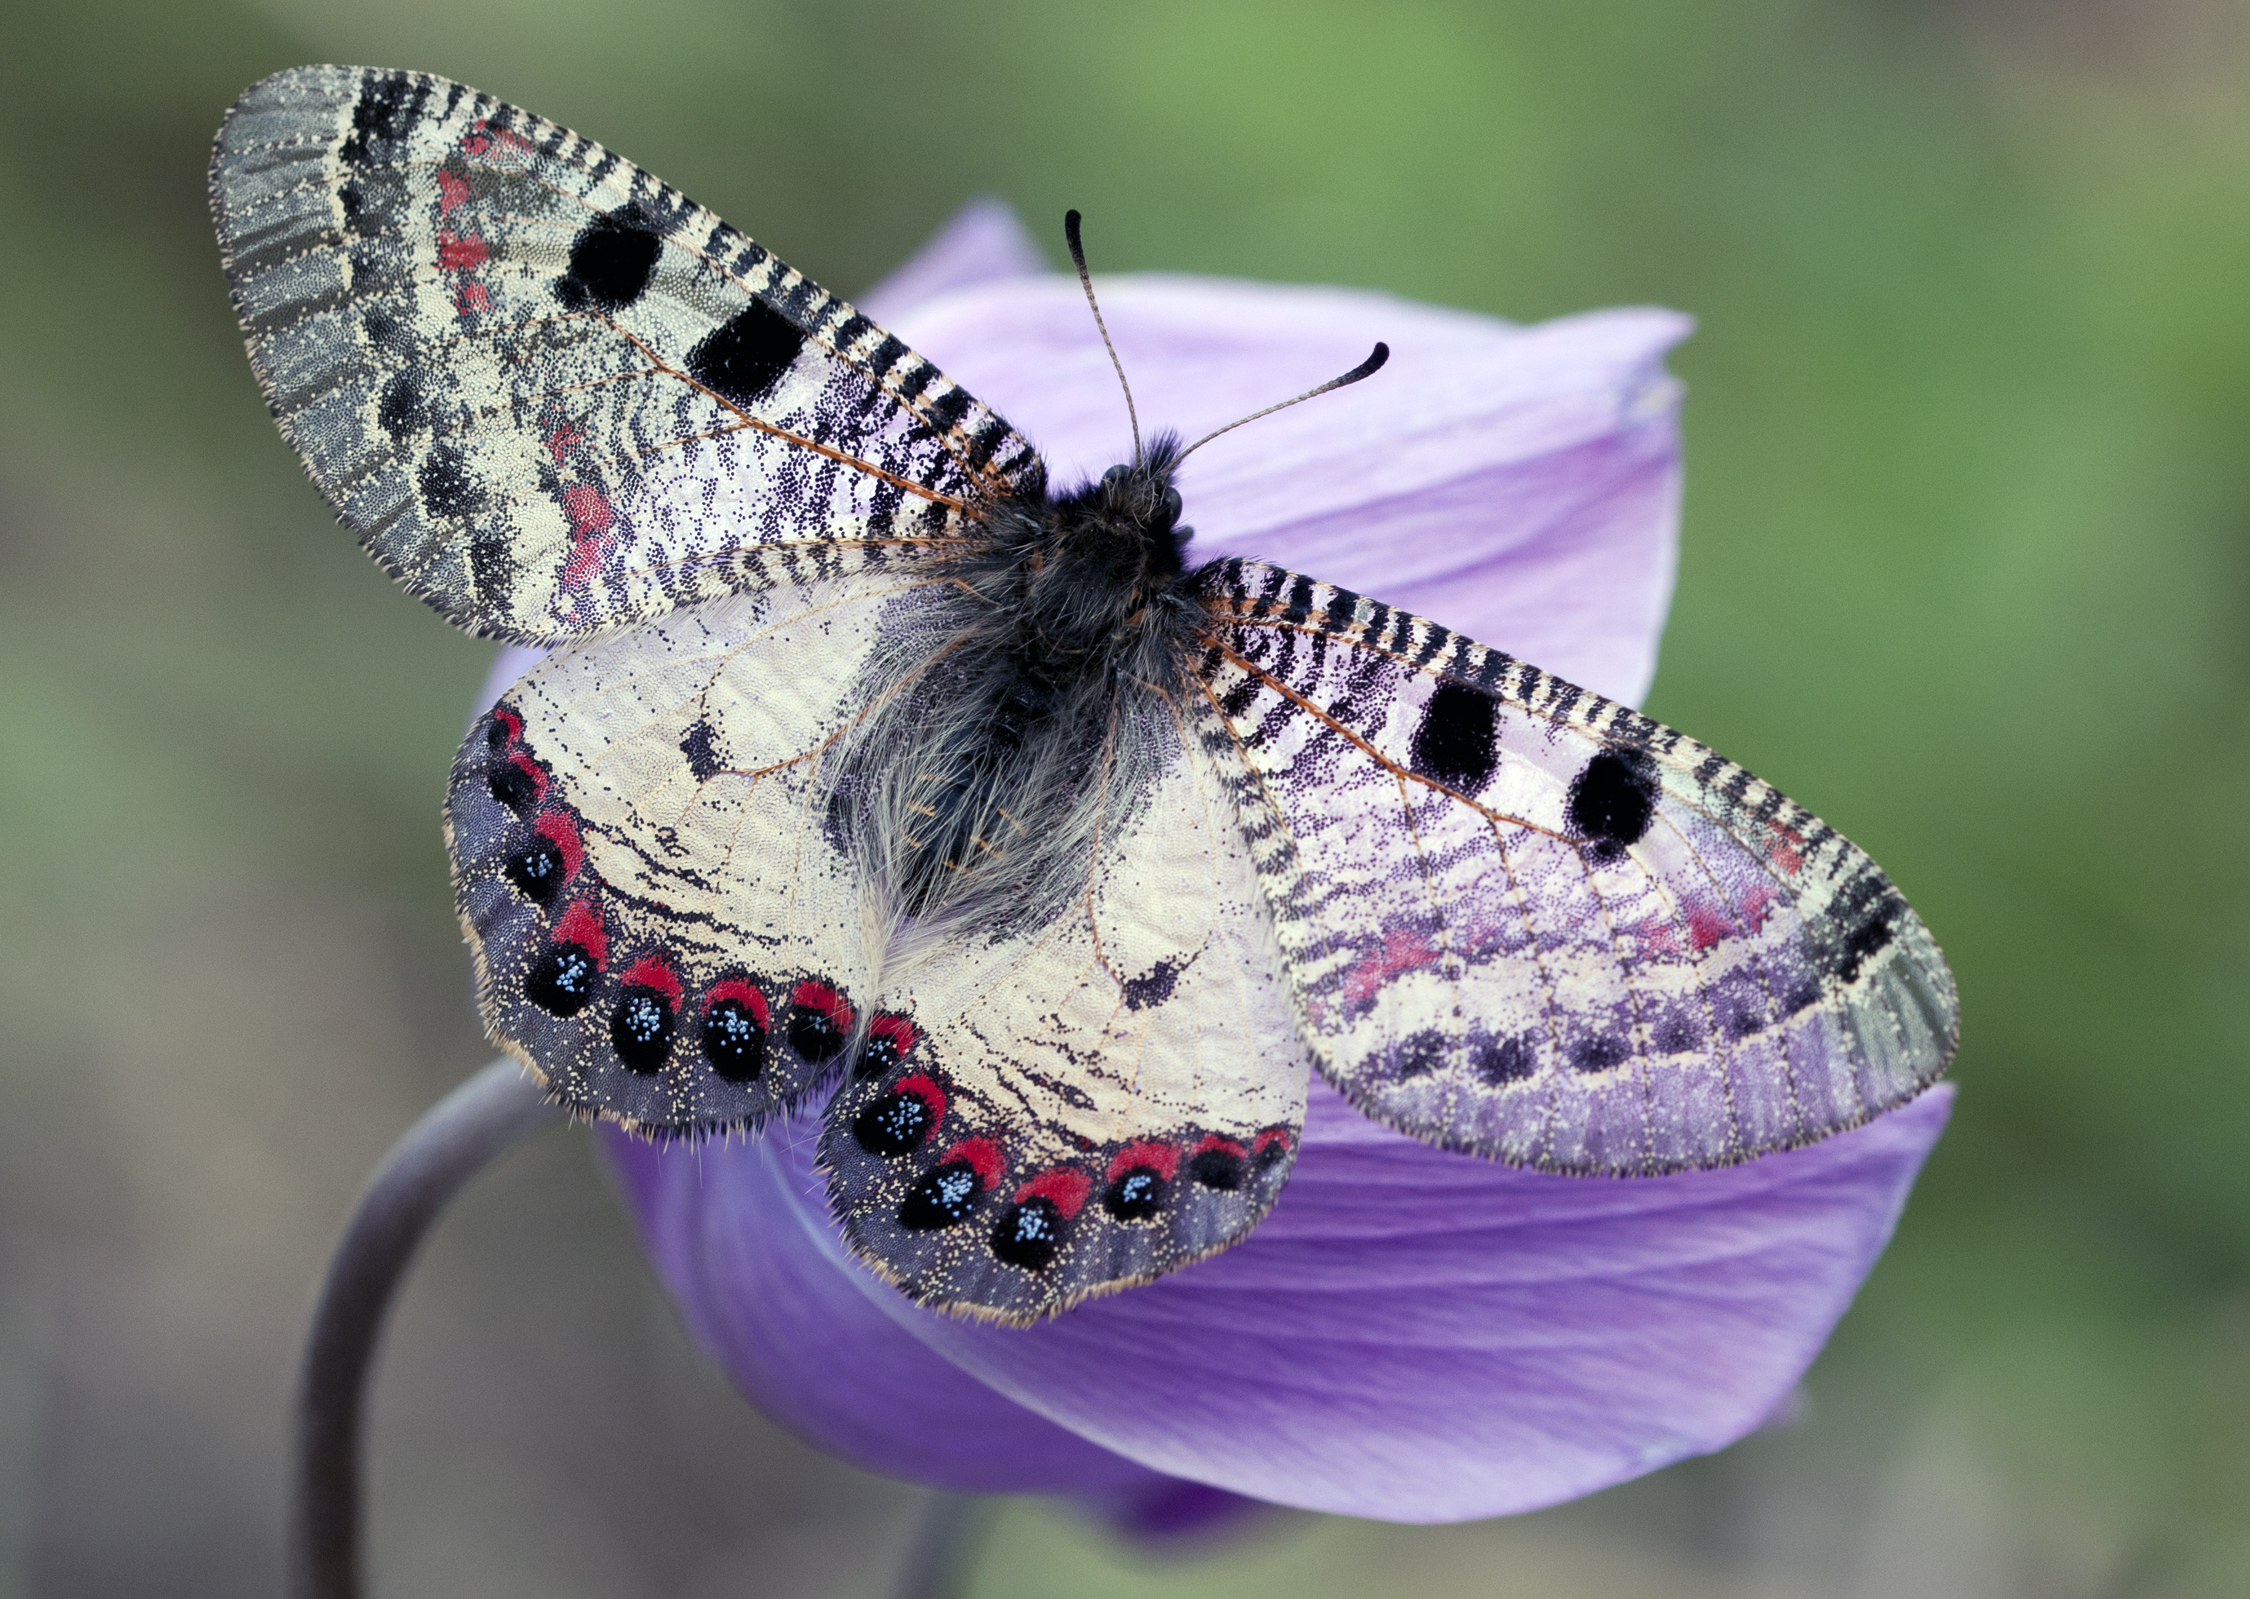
x=1529, y=922
x=551, y=394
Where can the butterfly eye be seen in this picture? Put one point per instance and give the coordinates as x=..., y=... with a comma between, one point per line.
x=1171, y=505
x=1115, y=476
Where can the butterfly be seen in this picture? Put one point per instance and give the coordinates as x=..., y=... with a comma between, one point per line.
x=867, y=764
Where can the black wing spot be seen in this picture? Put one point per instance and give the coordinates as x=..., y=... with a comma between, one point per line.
x=562, y=980
x=1152, y=987
x=641, y=1029
x=701, y=747
x=1599, y=1053
x=612, y=262
x=816, y=1034
x=513, y=786
x=1613, y=801
x=733, y=1041
x=1136, y=1195
x=448, y=487
x=1454, y=744
x=1222, y=1169
x=1500, y=1061
x=400, y=409
x=537, y=871
x=387, y=106
x=1419, y=1054
x=743, y=361
x=894, y=1125
x=1029, y=1234
x=943, y=1198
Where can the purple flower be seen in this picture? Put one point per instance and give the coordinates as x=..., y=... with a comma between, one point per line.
x=1411, y=1334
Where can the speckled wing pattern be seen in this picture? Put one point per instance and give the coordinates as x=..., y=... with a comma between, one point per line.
x=665, y=931
x=564, y=405
x=549, y=393
x=1524, y=920
x=1111, y=1096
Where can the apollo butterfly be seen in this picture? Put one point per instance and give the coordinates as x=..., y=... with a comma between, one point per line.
x=867, y=765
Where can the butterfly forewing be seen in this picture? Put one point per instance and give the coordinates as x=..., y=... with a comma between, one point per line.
x=549, y=392
x=1113, y=1095
x=667, y=930
x=1524, y=920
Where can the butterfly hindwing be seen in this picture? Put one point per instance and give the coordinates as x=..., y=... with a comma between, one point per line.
x=666, y=929
x=1527, y=921
x=549, y=392
x=1102, y=1099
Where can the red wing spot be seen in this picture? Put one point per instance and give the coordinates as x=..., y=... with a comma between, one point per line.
x=461, y=252
x=582, y=925
x=1162, y=1159
x=1707, y=924
x=1224, y=1146
x=1064, y=1189
x=1403, y=950
x=927, y=1091
x=890, y=1037
x=982, y=1155
x=559, y=830
x=814, y=994
x=453, y=190
x=903, y=1034
x=1659, y=938
x=530, y=768
x=472, y=298
x=585, y=556
x=563, y=440
x=477, y=140
x=1758, y=904
x=742, y=993
x=1787, y=850
x=654, y=971
x=588, y=509
x=509, y=722
x=1271, y=1138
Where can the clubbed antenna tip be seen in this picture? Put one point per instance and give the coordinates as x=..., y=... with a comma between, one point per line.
x=1086, y=281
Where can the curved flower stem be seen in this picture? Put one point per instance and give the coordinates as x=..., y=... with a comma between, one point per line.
x=937, y=1560
x=493, y=1110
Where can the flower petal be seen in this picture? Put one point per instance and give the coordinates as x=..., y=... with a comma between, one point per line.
x=1411, y=1335
x=1518, y=484
x=795, y=1328
x=983, y=241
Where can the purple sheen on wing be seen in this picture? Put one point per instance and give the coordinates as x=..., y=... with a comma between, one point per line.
x=983, y=241
x=1411, y=1335
x=1518, y=484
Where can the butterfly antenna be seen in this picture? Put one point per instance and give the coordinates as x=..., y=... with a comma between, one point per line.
x=1366, y=369
x=1086, y=281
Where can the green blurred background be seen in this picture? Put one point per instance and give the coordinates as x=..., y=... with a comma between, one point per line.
x=1966, y=565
